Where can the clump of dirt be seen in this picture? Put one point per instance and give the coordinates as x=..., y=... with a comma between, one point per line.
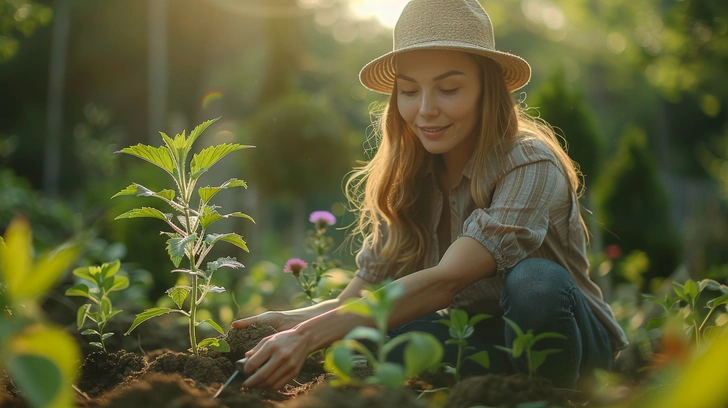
x=242, y=340
x=159, y=390
x=207, y=368
x=103, y=371
x=326, y=396
x=503, y=391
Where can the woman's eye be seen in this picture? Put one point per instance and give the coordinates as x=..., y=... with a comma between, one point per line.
x=449, y=91
x=407, y=93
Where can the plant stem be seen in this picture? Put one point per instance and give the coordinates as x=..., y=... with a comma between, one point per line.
x=702, y=325
x=458, y=362
x=193, y=299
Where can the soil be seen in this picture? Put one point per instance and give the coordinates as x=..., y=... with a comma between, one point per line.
x=102, y=371
x=504, y=391
x=326, y=396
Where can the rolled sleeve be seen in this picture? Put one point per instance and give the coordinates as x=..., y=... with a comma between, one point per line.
x=516, y=222
x=370, y=266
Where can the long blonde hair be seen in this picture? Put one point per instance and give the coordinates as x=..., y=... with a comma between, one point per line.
x=388, y=188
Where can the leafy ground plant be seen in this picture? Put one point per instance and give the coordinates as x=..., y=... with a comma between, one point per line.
x=103, y=280
x=524, y=342
x=40, y=357
x=460, y=329
x=189, y=237
x=421, y=352
x=685, y=305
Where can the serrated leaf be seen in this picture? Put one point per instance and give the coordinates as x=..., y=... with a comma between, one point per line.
x=206, y=193
x=146, y=315
x=209, y=218
x=81, y=315
x=176, y=248
x=144, y=212
x=179, y=294
x=159, y=156
x=204, y=160
x=78, y=290
x=213, y=324
x=481, y=358
x=235, y=239
x=240, y=215
x=197, y=131
x=226, y=262
x=130, y=190
x=219, y=345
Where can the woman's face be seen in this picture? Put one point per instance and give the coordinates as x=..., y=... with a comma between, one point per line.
x=438, y=95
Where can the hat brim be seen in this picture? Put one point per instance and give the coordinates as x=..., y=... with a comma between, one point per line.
x=379, y=74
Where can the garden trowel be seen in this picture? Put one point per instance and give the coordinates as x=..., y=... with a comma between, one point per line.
x=239, y=368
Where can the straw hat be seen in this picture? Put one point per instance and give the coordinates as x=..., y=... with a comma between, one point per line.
x=459, y=25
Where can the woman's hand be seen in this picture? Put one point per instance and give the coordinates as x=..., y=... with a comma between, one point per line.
x=280, y=321
x=276, y=360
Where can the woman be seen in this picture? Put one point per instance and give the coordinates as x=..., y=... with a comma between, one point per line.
x=468, y=203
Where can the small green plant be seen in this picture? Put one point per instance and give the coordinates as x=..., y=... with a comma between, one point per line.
x=524, y=342
x=189, y=237
x=460, y=329
x=309, y=275
x=41, y=358
x=422, y=351
x=103, y=280
x=685, y=305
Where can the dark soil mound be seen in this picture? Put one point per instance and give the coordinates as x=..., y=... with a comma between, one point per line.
x=326, y=396
x=242, y=340
x=103, y=371
x=503, y=391
x=207, y=368
x=160, y=390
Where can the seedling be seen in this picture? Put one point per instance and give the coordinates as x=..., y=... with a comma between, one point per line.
x=461, y=328
x=189, y=237
x=103, y=280
x=422, y=351
x=685, y=305
x=524, y=342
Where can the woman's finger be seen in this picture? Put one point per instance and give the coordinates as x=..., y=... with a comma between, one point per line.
x=243, y=323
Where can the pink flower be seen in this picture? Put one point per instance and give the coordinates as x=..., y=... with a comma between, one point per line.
x=612, y=252
x=295, y=266
x=322, y=219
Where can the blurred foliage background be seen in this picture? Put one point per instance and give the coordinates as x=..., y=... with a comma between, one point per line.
x=638, y=89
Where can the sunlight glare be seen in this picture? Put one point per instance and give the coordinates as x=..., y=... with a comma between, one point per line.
x=385, y=11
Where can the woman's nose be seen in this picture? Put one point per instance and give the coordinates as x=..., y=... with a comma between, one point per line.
x=428, y=105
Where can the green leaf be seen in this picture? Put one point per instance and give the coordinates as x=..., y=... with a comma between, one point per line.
x=235, y=239
x=518, y=346
x=176, y=248
x=679, y=289
x=720, y=300
x=219, y=345
x=446, y=322
x=159, y=156
x=514, y=326
x=421, y=352
x=549, y=335
x=144, y=212
x=112, y=314
x=206, y=193
x=204, y=160
x=367, y=333
x=89, y=273
x=116, y=283
x=226, y=262
x=459, y=318
x=105, y=307
x=213, y=324
x=481, y=358
x=179, y=294
x=81, y=315
x=506, y=349
x=655, y=323
x=146, y=315
x=710, y=284
x=209, y=218
x=197, y=131
x=89, y=332
x=39, y=379
x=478, y=318
x=240, y=215
x=393, y=291
x=691, y=289
x=106, y=336
x=538, y=358
x=338, y=361
x=130, y=190
x=110, y=268
x=78, y=290
x=97, y=344
x=390, y=375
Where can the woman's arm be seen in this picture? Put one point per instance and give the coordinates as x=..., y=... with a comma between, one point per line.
x=278, y=359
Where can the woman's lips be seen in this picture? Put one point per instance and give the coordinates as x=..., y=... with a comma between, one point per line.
x=433, y=132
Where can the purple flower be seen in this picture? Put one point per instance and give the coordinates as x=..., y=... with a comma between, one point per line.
x=295, y=266
x=322, y=219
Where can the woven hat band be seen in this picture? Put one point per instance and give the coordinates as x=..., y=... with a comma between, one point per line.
x=455, y=22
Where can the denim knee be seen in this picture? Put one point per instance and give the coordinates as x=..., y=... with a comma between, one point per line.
x=535, y=283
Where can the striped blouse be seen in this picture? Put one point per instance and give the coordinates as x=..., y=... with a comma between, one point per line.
x=529, y=213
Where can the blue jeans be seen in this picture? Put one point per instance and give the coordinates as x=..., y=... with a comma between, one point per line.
x=542, y=296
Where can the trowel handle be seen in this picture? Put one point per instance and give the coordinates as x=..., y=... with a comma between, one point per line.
x=240, y=366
